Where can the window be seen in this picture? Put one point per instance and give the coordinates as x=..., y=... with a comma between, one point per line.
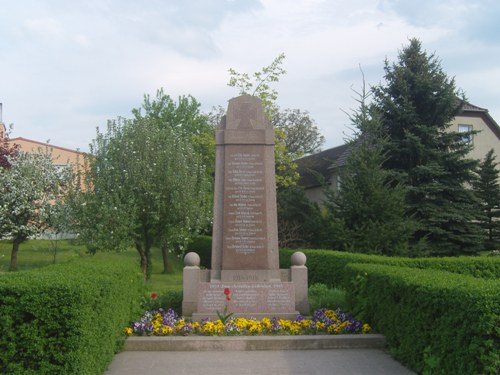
x=338, y=183
x=467, y=129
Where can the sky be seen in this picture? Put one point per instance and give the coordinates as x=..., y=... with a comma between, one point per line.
x=69, y=66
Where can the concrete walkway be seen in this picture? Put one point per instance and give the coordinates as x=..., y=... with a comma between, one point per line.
x=258, y=362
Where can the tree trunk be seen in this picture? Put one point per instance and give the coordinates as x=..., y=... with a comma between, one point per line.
x=144, y=261
x=166, y=264
x=13, y=255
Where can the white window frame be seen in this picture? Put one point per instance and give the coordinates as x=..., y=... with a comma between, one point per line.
x=466, y=128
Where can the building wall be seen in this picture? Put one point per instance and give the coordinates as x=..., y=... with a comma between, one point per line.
x=482, y=142
x=60, y=155
x=488, y=138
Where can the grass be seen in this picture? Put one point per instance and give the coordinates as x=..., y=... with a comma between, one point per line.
x=39, y=253
x=321, y=296
x=160, y=282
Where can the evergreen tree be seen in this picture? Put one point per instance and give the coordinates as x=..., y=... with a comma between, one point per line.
x=300, y=223
x=487, y=189
x=368, y=213
x=417, y=104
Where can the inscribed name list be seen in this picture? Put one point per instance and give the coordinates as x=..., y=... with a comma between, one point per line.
x=244, y=201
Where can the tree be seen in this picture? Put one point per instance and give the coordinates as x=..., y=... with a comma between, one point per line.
x=300, y=222
x=487, y=189
x=29, y=187
x=295, y=135
x=58, y=224
x=145, y=186
x=260, y=84
x=185, y=117
x=7, y=150
x=368, y=213
x=302, y=134
x=417, y=104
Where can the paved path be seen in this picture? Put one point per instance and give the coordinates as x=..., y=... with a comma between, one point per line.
x=263, y=362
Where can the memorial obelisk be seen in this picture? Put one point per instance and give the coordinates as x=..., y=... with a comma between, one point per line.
x=245, y=256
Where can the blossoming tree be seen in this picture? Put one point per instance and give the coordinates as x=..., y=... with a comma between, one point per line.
x=30, y=186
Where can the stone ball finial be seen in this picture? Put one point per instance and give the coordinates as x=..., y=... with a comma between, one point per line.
x=192, y=260
x=298, y=259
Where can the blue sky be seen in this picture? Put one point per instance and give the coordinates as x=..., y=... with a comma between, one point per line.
x=67, y=66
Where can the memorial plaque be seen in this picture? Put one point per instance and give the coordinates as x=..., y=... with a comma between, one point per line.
x=277, y=297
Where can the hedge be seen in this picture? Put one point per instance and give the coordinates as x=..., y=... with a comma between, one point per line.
x=327, y=266
x=67, y=318
x=202, y=245
x=435, y=322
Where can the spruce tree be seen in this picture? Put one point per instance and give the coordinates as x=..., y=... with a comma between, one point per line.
x=487, y=189
x=368, y=213
x=418, y=102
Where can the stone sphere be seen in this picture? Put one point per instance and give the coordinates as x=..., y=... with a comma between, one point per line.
x=298, y=259
x=192, y=260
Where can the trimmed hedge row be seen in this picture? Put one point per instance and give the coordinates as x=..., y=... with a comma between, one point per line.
x=67, y=318
x=327, y=266
x=435, y=322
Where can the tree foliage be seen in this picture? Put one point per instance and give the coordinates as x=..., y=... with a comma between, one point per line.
x=368, y=214
x=146, y=186
x=295, y=135
x=300, y=221
x=260, y=83
x=417, y=103
x=302, y=136
x=29, y=187
x=487, y=189
x=7, y=150
x=184, y=117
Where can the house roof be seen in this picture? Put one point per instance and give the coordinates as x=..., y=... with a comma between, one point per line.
x=470, y=110
x=313, y=168
x=47, y=145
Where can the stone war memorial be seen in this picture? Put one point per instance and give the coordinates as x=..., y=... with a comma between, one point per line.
x=245, y=278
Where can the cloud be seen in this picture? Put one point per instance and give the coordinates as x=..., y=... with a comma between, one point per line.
x=45, y=26
x=71, y=66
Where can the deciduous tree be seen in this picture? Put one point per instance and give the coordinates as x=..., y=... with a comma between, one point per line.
x=29, y=187
x=7, y=149
x=302, y=136
x=146, y=186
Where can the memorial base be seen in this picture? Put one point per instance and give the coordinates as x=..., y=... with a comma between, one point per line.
x=245, y=293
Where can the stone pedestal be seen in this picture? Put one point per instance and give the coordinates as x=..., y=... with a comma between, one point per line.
x=245, y=257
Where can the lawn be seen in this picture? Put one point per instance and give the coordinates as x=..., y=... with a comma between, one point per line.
x=39, y=253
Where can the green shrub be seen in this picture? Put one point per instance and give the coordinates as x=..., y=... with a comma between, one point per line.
x=67, y=318
x=434, y=321
x=170, y=299
x=328, y=266
x=321, y=296
x=202, y=245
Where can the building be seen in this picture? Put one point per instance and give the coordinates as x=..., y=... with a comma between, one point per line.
x=60, y=156
x=323, y=167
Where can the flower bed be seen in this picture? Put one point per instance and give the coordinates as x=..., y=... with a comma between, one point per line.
x=162, y=322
